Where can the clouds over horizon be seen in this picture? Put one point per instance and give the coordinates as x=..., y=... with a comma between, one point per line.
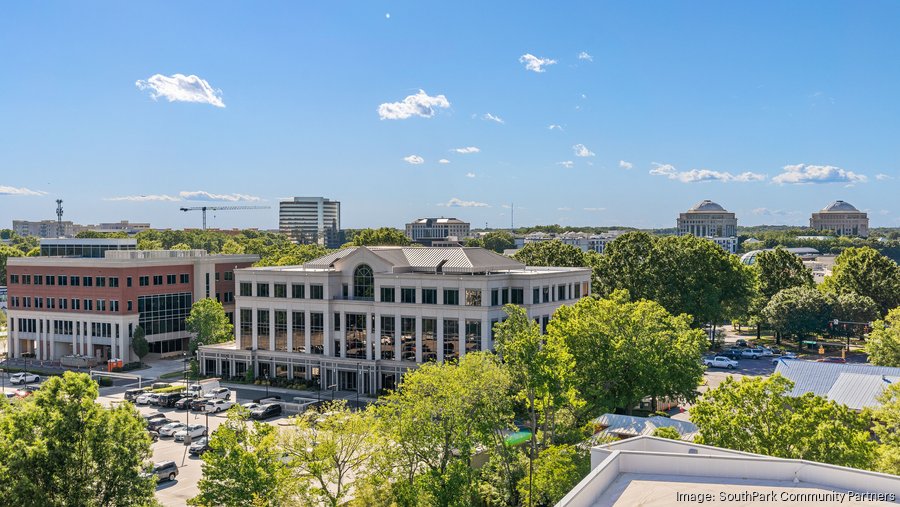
x=582, y=151
x=8, y=190
x=701, y=175
x=420, y=104
x=187, y=195
x=467, y=150
x=414, y=159
x=585, y=56
x=181, y=88
x=493, y=118
x=534, y=63
x=455, y=202
x=625, y=165
x=805, y=173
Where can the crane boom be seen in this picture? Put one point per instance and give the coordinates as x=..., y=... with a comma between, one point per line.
x=220, y=208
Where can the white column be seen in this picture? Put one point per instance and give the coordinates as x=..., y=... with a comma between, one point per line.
x=40, y=339
x=485, y=334
x=74, y=337
x=237, y=329
x=90, y=342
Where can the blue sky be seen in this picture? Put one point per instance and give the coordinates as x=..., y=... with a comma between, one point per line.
x=773, y=109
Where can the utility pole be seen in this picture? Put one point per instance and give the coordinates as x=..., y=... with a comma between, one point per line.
x=60, y=232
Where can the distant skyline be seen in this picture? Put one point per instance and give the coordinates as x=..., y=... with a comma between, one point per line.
x=583, y=113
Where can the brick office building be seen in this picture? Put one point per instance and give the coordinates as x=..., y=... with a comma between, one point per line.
x=61, y=306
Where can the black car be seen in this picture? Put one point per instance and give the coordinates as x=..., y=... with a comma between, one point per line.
x=132, y=394
x=199, y=447
x=184, y=403
x=159, y=422
x=169, y=399
x=266, y=411
x=197, y=404
x=732, y=353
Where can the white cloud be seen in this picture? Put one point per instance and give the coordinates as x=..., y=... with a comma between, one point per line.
x=181, y=88
x=582, y=151
x=414, y=159
x=883, y=177
x=564, y=209
x=804, y=173
x=699, y=175
x=7, y=190
x=443, y=161
x=772, y=212
x=554, y=127
x=459, y=203
x=625, y=165
x=420, y=104
x=566, y=163
x=470, y=175
x=467, y=150
x=490, y=117
x=594, y=209
x=187, y=195
x=584, y=56
x=534, y=63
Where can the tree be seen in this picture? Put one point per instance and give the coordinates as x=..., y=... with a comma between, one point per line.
x=180, y=246
x=5, y=253
x=243, y=466
x=60, y=447
x=291, y=255
x=667, y=432
x=559, y=469
x=327, y=450
x=551, y=253
x=758, y=415
x=626, y=351
x=149, y=244
x=798, y=312
x=776, y=270
x=886, y=421
x=883, y=344
x=209, y=324
x=139, y=343
x=867, y=273
x=437, y=419
x=498, y=241
x=851, y=307
x=232, y=247
x=626, y=264
x=384, y=236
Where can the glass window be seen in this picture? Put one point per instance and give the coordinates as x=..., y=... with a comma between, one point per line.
x=429, y=339
x=262, y=329
x=298, y=291
x=407, y=295
x=451, y=296
x=408, y=338
x=246, y=289
x=262, y=290
x=74, y=281
x=495, y=297
x=87, y=281
x=388, y=323
x=560, y=292
x=281, y=330
x=113, y=281
x=473, y=297
x=387, y=295
x=546, y=293
x=298, y=331
x=229, y=276
x=171, y=279
x=61, y=280
x=164, y=313
x=51, y=280
x=185, y=278
x=577, y=291
x=316, y=291
x=364, y=283
x=14, y=279
x=280, y=290
x=355, y=336
x=451, y=339
x=504, y=296
x=317, y=333
x=246, y=328
x=429, y=296
x=39, y=280
x=473, y=335
x=144, y=281
x=337, y=321
x=517, y=296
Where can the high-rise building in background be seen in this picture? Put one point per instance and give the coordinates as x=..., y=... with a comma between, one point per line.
x=842, y=219
x=710, y=220
x=311, y=220
x=428, y=231
x=49, y=228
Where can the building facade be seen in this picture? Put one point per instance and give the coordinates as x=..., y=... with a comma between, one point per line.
x=841, y=218
x=359, y=318
x=710, y=220
x=50, y=228
x=427, y=231
x=311, y=220
x=84, y=247
x=60, y=306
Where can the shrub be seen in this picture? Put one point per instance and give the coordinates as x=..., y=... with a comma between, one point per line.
x=104, y=381
x=170, y=389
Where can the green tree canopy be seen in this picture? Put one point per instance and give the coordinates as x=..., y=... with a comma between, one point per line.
x=551, y=253
x=384, y=236
x=883, y=344
x=209, y=324
x=886, y=419
x=626, y=351
x=779, y=269
x=627, y=264
x=667, y=432
x=291, y=255
x=232, y=247
x=498, y=241
x=5, y=253
x=757, y=415
x=180, y=246
x=798, y=312
x=60, y=447
x=139, y=343
x=852, y=307
x=867, y=273
x=558, y=469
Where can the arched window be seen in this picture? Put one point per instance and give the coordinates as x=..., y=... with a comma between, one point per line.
x=363, y=282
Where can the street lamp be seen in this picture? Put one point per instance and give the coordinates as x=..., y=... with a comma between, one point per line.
x=333, y=388
x=267, y=384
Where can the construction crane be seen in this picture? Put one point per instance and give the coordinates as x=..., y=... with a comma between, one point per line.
x=220, y=208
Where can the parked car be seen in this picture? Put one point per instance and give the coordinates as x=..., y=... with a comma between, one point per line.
x=184, y=403
x=766, y=351
x=154, y=435
x=132, y=394
x=741, y=343
x=787, y=356
x=266, y=411
x=199, y=447
x=221, y=393
x=733, y=353
x=147, y=399
x=160, y=385
x=215, y=406
x=720, y=362
x=839, y=360
x=197, y=404
x=169, y=399
x=23, y=378
x=251, y=405
x=159, y=422
x=170, y=429
x=164, y=471
x=752, y=353
x=194, y=430
x=154, y=415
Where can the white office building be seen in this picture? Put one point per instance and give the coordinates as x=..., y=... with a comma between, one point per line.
x=841, y=218
x=429, y=231
x=710, y=220
x=311, y=220
x=359, y=318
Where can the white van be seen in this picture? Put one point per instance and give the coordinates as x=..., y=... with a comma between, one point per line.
x=202, y=387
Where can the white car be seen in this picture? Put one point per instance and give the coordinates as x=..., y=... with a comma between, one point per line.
x=143, y=399
x=23, y=378
x=194, y=430
x=171, y=428
x=766, y=352
x=251, y=405
x=720, y=362
x=754, y=353
x=222, y=393
x=214, y=406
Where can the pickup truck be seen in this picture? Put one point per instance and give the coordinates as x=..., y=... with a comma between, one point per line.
x=720, y=362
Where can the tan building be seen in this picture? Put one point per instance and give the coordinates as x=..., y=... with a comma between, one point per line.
x=427, y=231
x=842, y=219
x=710, y=220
